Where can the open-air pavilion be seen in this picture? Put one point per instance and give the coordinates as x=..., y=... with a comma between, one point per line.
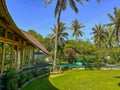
x=16, y=46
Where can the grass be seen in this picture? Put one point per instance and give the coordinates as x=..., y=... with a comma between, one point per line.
x=78, y=80
x=40, y=84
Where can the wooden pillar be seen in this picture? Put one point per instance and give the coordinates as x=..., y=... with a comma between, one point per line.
x=3, y=57
x=28, y=56
x=16, y=63
x=24, y=57
x=33, y=57
x=21, y=58
x=12, y=53
x=11, y=56
x=3, y=53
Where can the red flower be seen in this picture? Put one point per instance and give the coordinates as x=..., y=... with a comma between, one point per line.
x=71, y=51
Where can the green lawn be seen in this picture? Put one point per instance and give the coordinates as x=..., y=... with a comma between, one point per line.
x=78, y=80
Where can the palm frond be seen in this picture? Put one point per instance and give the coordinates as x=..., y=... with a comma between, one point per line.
x=110, y=24
x=57, y=8
x=80, y=1
x=111, y=17
x=64, y=4
x=73, y=6
x=51, y=36
x=115, y=11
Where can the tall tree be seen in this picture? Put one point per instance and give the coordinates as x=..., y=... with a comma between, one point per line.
x=99, y=35
x=62, y=35
x=61, y=6
x=76, y=26
x=110, y=42
x=116, y=23
x=36, y=35
x=33, y=32
x=48, y=43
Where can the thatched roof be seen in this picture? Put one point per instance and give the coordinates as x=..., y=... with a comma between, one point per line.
x=6, y=18
x=34, y=41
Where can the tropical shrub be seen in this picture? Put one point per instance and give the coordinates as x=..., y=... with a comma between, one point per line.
x=22, y=79
x=71, y=55
x=29, y=75
x=98, y=64
x=10, y=79
x=36, y=72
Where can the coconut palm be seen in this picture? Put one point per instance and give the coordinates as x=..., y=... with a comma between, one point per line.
x=62, y=35
x=76, y=26
x=99, y=35
x=109, y=42
x=116, y=23
x=61, y=6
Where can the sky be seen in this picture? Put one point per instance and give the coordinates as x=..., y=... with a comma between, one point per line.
x=33, y=14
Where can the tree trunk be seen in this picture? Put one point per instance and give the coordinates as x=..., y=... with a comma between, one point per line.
x=56, y=40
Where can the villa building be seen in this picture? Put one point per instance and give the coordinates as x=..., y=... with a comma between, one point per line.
x=16, y=46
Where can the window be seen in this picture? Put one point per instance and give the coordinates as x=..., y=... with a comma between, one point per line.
x=2, y=32
x=1, y=49
x=9, y=35
x=16, y=39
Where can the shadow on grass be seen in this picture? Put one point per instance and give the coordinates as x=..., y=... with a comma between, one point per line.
x=40, y=84
x=119, y=84
x=117, y=77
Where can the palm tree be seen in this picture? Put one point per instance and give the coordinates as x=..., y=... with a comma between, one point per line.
x=76, y=26
x=116, y=23
x=61, y=6
x=62, y=35
x=110, y=42
x=99, y=35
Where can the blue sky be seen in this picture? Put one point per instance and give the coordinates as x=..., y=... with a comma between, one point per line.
x=32, y=14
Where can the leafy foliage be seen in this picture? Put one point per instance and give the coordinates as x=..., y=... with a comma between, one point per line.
x=36, y=35
x=10, y=79
x=22, y=79
x=115, y=21
x=99, y=35
x=76, y=26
